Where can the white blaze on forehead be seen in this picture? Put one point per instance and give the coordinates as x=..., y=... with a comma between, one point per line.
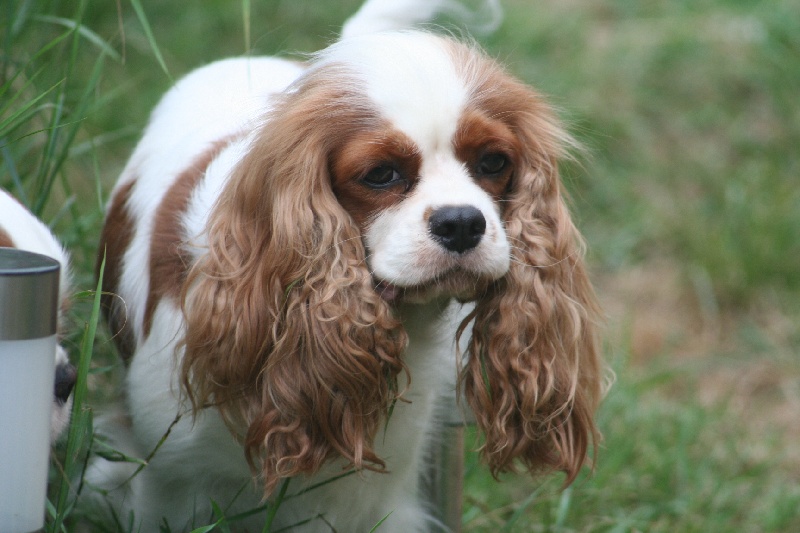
x=411, y=78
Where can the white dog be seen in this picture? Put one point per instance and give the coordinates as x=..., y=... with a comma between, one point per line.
x=20, y=229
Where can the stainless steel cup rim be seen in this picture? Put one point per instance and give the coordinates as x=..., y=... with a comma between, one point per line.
x=28, y=295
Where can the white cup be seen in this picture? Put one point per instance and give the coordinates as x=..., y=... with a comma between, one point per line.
x=28, y=317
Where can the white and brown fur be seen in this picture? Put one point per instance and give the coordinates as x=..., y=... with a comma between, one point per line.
x=291, y=241
x=20, y=229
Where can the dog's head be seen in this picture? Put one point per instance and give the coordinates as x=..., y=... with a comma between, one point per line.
x=401, y=168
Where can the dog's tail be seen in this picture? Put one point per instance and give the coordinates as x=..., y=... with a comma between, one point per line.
x=383, y=15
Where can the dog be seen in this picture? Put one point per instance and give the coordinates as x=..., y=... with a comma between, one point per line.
x=20, y=229
x=299, y=245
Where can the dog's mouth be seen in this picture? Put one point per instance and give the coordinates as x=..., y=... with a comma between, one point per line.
x=456, y=283
x=388, y=292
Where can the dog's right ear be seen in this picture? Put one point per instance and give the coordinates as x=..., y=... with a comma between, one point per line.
x=285, y=333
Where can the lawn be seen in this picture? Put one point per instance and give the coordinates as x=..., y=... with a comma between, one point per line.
x=688, y=193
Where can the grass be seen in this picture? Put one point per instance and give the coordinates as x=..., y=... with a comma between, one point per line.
x=668, y=464
x=689, y=200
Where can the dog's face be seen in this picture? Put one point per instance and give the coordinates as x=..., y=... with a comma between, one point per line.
x=430, y=214
x=427, y=183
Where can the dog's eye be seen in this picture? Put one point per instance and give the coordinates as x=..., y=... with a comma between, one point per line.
x=492, y=164
x=382, y=176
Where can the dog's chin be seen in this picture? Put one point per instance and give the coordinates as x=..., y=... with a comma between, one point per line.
x=457, y=284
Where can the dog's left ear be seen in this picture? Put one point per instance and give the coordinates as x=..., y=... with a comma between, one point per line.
x=534, y=375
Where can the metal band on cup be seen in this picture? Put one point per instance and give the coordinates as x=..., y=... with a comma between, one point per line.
x=28, y=295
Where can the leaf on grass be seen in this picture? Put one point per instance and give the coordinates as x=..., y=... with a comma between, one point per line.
x=521, y=509
x=137, y=7
x=85, y=32
x=563, y=507
x=81, y=427
x=109, y=453
x=382, y=520
x=206, y=529
x=21, y=115
x=321, y=484
x=273, y=509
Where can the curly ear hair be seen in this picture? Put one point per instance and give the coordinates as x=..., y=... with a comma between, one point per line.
x=533, y=377
x=284, y=331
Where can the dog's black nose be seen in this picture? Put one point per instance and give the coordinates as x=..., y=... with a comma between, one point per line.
x=66, y=375
x=458, y=228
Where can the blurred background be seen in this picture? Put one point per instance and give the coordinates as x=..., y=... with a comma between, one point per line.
x=688, y=193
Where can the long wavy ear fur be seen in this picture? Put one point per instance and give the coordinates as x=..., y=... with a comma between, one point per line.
x=533, y=377
x=284, y=332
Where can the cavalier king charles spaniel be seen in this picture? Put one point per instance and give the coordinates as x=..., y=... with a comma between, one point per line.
x=312, y=255
x=20, y=229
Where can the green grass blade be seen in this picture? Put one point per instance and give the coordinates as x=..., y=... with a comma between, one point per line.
x=246, y=24
x=80, y=429
x=137, y=7
x=321, y=484
x=206, y=529
x=273, y=509
x=521, y=509
x=291, y=527
x=84, y=32
x=154, y=451
x=563, y=507
x=33, y=59
x=11, y=168
x=102, y=449
x=9, y=84
x=382, y=520
x=217, y=512
x=18, y=117
x=51, y=162
x=70, y=131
